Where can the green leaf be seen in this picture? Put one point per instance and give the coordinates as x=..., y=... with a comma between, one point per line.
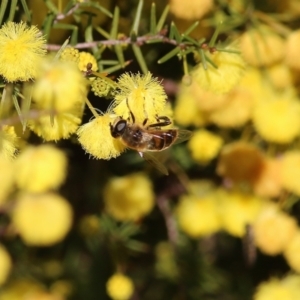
x=97, y=6
x=18, y=109
x=25, y=106
x=137, y=246
x=120, y=55
x=169, y=55
x=140, y=58
x=174, y=33
x=210, y=61
x=191, y=28
x=136, y=23
x=116, y=68
x=51, y=7
x=162, y=19
x=73, y=28
x=47, y=25
x=3, y=7
x=103, y=32
x=64, y=45
x=115, y=23
x=203, y=59
x=213, y=39
x=26, y=11
x=12, y=11
x=153, y=19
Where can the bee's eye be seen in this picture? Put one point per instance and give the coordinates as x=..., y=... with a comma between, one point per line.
x=120, y=126
x=118, y=129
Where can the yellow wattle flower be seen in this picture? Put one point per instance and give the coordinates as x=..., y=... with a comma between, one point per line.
x=8, y=142
x=86, y=58
x=204, y=145
x=224, y=77
x=41, y=168
x=59, y=86
x=21, y=48
x=291, y=252
x=129, y=198
x=96, y=139
x=42, y=219
x=143, y=94
x=119, y=287
x=7, y=178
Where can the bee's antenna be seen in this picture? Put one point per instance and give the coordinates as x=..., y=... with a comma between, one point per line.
x=131, y=113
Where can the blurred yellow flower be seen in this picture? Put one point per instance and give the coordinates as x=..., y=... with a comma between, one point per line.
x=7, y=178
x=225, y=77
x=186, y=112
x=70, y=54
x=273, y=229
x=89, y=225
x=129, y=198
x=5, y=263
x=292, y=250
x=204, y=145
x=143, y=93
x=59, y=86
x=21, y=48
x=8, y=142
x=280, y=75
x=269, y=183
x=191, y=9
x=198, y=216
x=292, y=49
x=238, y=210
x=96, y=139
x=42, y=219
x=64, y=124
x=290, y=171
x=240, y=162
x=41, y=168
x=86, y=58
x=261, y=47
x=236, y=110
x=119, y=287
x=277, y=120
x=275, y=289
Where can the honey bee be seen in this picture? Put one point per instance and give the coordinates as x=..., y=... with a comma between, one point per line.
x=147, y=139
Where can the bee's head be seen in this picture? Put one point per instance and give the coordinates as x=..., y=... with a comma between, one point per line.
x=117, y=129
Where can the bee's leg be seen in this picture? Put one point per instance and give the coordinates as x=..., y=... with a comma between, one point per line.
x=161, y=122
x=131, y=113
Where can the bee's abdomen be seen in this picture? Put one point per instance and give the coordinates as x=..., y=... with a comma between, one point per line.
x=162, y=140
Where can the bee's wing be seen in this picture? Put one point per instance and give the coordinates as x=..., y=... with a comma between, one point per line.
x=183, y=135
x=153, y=160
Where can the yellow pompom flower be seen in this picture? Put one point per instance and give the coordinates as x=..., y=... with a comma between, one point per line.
x=89, y=225
x=225, y=77
x=86, y=58
x=41, y=168
x=119, y=287
x=7, y=176
x=237, y=211
x=143, y=94
x=198, y=215
x=21, y=48
x=280, y=75
x=191, y=9
x=186, y=111
x=269, y=183
x=277, y=119
x=276, y=290
x=70, y=54
x=291, y=251
x=5, y=263
x=42, y=219
x=59, y=86
x=292, y=49
x=273, y=229
x=204, y=145
x=8, y=142
x=96, y=139
x=240, y=162
x=63, y=125
x=290, y=171
x=261, y=47
x=236, y=111
x=129, y=198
